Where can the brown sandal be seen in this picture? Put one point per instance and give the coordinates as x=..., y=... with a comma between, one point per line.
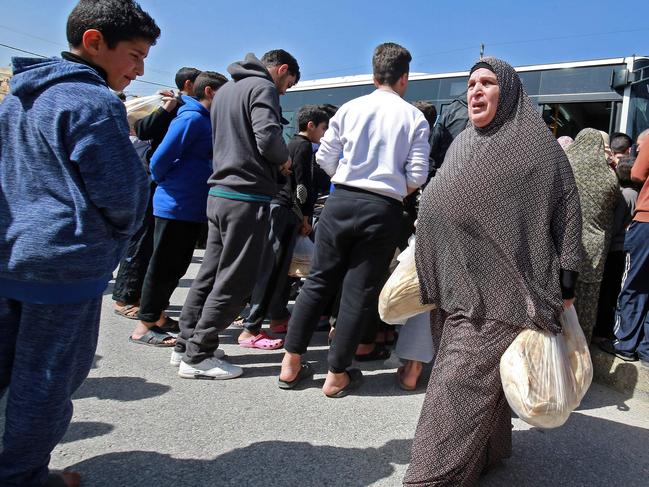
x=129, y=311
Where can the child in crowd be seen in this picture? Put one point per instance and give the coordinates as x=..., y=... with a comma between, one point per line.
x=180, y=167
x=73, y=191
x=290, y=214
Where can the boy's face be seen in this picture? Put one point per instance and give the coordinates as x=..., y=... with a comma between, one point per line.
x=315, y=132
x=124, y=63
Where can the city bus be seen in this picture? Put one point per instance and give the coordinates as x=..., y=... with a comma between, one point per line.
x=606, y=94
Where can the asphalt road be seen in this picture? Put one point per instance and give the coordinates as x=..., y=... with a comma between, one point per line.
x=137, y=424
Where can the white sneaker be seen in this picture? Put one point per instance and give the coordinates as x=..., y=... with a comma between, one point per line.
x=210, y=368
x=176, y=357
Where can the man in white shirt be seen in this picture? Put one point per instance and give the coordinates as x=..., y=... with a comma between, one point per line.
x=376, y=152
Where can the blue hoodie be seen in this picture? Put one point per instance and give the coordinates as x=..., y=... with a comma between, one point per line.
x=72, y=188
x=182, y=163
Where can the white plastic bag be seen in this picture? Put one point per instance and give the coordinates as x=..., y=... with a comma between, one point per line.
x=545, y=376
x=302, y=257
x=137, y=108
x=400, y=296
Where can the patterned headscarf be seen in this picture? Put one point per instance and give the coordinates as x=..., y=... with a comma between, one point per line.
x=598, y=192
x=501, y=218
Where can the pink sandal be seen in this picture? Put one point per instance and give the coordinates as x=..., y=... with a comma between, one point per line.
x=262, y=341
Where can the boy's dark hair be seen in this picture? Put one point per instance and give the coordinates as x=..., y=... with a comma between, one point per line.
x=121, y=95
x=117, y=20
x=390, y=62
x=186, y=74
x=208, y=78
x=623, y=171
x=329, y=108
x=277, y=57
x=311, y=113
x=428, y=109
x=620, y=142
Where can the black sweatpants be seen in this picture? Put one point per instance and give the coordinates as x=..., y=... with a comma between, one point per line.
x=173, y=248
x=356, y=239
x=235, y=242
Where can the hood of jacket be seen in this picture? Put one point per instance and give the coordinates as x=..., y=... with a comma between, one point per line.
x=191, y=104
x=250, y=66
x=32, y=76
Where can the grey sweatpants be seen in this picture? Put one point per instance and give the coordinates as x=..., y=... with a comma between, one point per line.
x=235, y=242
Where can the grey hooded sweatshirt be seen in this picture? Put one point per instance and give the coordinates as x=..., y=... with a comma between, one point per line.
x=247, y=134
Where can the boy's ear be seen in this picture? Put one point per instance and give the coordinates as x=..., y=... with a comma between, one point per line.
x=310, y=125
x=92, y=41
x=282, y=68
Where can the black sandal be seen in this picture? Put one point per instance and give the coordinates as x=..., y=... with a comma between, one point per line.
x=305, y=371
x=355, y=380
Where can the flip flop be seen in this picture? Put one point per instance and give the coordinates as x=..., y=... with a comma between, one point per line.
x=127, y=311
x=262, y=341
x=170, y=325
x=379, y=353
x=280, y=326
x=355, y=380
x=153, y=338
x=305, y=371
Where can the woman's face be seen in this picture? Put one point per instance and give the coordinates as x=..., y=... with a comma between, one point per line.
x=482, y=97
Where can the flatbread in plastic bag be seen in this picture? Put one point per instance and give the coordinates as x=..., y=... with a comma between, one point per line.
x=400, y=297
x=137, y=108
x=545, y=376
x=302, y=257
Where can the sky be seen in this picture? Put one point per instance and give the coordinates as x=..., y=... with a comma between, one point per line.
x=336, y=37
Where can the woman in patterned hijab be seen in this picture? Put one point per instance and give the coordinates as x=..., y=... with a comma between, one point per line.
x=599, y=192
x=498, y=249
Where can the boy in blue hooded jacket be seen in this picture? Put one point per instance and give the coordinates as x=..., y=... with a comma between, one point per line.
x=72, y=190
x=180, y=167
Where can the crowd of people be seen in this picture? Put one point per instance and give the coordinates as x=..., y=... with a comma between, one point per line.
x=512, y=228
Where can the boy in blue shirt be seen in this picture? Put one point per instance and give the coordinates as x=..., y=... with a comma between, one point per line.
x=72, y=192
x=180, y=167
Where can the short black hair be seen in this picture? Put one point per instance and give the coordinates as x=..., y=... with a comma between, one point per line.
x=428, y=109
x=208, y=78
x=329, y=108
x=390, y=62
x=311, y=113
x=620, y=142
x=117, y=20
x=186, y=74
x=121, y=95
x=623, y=172
x=277, y=57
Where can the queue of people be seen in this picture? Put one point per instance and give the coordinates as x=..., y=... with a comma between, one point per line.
x=512, y=228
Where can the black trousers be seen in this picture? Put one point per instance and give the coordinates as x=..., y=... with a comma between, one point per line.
x=133, y=267
x=355, y=241
x=270, y=295
x=173, y=248
x=235, y=241
x=608, y=292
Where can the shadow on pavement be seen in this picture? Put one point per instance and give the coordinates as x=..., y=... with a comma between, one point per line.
x=120, y=388
x=82, y=430
x=283, y=463
x=585, y=451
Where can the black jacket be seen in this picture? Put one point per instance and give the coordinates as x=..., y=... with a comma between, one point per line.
x=299, y=188
x=154, y=127
x=453, y=120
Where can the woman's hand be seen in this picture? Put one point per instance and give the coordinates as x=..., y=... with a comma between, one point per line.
x=568, y=302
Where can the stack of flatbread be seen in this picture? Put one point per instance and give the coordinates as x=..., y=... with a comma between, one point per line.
x=545, y=376
x=137, y=108
x=400, y=297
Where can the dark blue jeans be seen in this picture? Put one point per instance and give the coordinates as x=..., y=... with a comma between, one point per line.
x=46, y=352
x=632, y=312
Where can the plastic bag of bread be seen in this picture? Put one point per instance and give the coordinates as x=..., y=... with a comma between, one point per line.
x=400, y=296
x=545, y=376
x=137, y=108
x=300, y=265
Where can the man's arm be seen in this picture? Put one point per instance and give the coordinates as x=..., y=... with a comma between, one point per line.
x=267, y=127
x=418, y=158
x=331, y=147
x=155, y=126
x=640, y=169
x=303, y=181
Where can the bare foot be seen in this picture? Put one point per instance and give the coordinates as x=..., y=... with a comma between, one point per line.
x=335, y=382
x=291, y=365
x=409, y=374
x=143, y=327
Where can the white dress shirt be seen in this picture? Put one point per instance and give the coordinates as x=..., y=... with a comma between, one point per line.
x=377, y=142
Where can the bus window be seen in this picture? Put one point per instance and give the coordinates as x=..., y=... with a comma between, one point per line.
x=570, y=118
x=639, y=107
